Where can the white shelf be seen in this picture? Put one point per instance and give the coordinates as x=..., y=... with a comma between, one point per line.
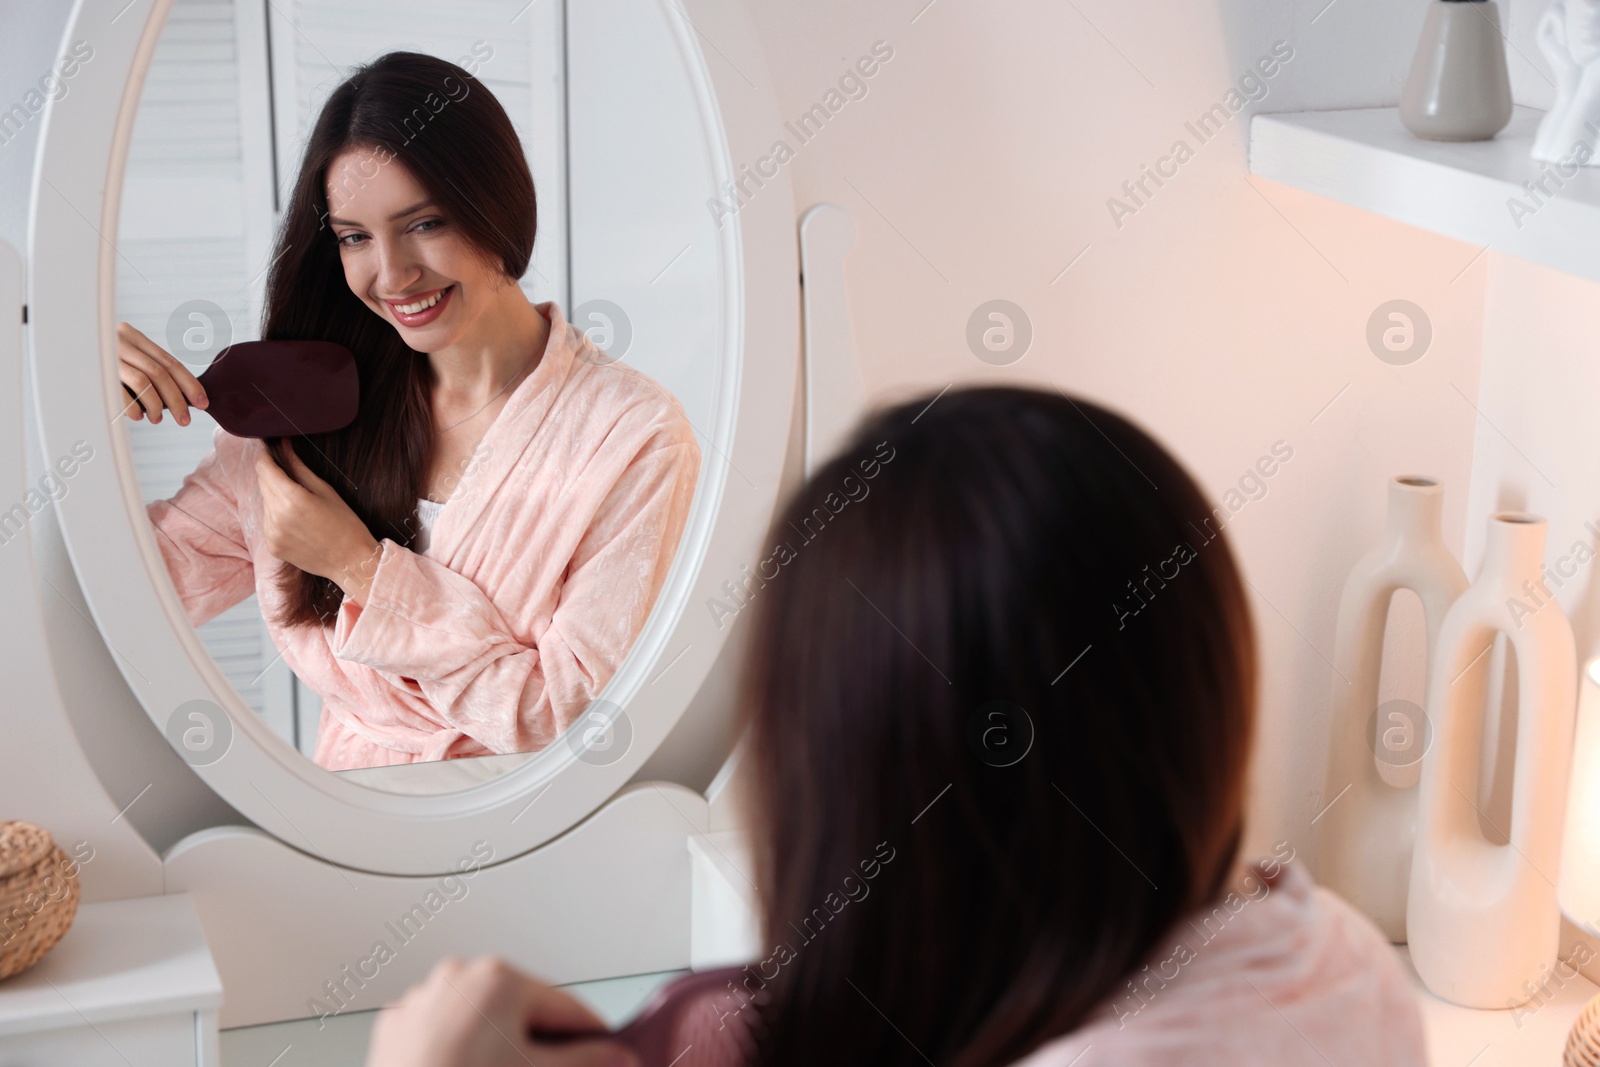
x=1367, y=159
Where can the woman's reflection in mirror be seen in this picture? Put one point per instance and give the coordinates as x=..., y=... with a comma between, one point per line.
x=461, y=570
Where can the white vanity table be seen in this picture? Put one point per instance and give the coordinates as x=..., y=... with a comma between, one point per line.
x=342, y=1042
x=1534, y=1036
x=131, y=982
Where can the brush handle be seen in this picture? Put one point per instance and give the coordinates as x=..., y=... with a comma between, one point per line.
x=649, y=1032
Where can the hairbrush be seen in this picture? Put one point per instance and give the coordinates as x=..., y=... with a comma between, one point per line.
x=281, y=388
x=685, y=1022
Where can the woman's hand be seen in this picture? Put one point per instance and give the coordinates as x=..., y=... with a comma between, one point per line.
x=156, y=377
x=306, y=523
x=478, y=1014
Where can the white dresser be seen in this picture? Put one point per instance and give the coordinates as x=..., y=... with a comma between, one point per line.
x=131, y=984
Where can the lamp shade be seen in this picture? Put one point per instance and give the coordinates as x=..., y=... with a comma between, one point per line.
x=1579, y=886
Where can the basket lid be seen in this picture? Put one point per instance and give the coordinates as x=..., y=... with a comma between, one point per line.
x=22, y=845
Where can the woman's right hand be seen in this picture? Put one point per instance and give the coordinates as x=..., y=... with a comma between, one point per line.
x=156, y=377
x=479, y=1013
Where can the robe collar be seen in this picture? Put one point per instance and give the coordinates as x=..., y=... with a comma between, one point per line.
x=567, y=350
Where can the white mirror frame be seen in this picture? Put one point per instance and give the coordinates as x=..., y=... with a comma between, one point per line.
x=75, y=202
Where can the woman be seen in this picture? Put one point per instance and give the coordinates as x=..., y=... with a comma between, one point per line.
x=997, y=813
x=461, y=570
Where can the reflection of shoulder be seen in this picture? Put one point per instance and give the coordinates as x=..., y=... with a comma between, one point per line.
x=622, y=401
x=236, y=456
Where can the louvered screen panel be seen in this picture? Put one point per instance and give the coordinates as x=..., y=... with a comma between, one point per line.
x=181, y=238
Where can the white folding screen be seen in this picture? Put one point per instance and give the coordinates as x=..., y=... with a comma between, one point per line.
x=187, y=227
x=232, y=91
x=515, y=48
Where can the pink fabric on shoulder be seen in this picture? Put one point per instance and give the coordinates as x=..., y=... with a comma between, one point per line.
x=541, y=570
x=1280, y=973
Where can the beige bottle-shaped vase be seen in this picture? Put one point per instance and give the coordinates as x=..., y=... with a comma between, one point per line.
x=1482, y=916
x=1369, y=822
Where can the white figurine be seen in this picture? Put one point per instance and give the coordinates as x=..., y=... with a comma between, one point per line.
x=1569, y=37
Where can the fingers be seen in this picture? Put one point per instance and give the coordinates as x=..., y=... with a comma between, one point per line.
x=479, y=1013
x=308, y=478
x=555, y=1010
x=144, y=371
x=156, y=378
x=274, y=481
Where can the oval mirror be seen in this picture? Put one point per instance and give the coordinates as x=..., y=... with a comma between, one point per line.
x=664, y=288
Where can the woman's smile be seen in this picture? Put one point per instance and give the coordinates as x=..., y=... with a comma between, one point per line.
x=422, y=308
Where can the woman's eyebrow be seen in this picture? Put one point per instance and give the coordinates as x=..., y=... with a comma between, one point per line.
x=397, y=215
x=412, y=210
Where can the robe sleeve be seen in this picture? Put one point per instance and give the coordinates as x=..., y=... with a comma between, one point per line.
x=200, y=535
x=433, y=631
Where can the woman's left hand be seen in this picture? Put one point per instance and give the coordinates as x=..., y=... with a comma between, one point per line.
x=307, y=524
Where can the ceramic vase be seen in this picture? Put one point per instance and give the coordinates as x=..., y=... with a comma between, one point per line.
x=1482, y=918
x=1369, y=824
x=1458, y=88
x=1569, y=36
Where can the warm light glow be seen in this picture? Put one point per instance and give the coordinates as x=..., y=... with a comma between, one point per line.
x=1580, y=855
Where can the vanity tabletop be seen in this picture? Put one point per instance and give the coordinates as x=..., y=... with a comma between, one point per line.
x=1535, y=1034
x=341, y=1041
x=121, y=959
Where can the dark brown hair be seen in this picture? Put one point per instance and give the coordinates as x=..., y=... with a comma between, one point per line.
x=1000, y=694
x=432, y=117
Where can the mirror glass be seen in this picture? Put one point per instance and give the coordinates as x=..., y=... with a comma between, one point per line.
x=489, y=645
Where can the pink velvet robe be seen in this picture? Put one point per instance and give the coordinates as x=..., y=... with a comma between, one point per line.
x=1275, y=975
x=540, y=572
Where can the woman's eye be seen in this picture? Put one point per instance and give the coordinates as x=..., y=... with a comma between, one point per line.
x=430, y=223
x=345, y=240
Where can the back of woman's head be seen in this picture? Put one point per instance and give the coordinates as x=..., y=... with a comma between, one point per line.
x=1000, y=691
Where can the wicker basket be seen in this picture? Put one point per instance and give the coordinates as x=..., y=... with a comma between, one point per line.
x=38, y=895
x=1583, y=1043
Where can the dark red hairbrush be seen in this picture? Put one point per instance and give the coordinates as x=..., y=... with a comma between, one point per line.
x=699, y=1020
x=282, y=388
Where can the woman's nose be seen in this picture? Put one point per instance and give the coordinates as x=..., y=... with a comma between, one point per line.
x=397, y=271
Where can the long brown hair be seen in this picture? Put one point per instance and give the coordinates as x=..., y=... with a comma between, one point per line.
x=1000, y=693
x=455, y=139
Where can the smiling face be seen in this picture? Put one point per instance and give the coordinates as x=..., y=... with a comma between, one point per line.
x=402, y=255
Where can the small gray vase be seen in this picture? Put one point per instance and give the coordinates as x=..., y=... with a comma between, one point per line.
x=1458, y=88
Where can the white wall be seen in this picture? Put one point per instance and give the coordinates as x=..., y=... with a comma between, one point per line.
x=1223, y=316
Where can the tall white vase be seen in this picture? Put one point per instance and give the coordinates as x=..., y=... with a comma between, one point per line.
x=1482, y=917
x=1369, y=825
